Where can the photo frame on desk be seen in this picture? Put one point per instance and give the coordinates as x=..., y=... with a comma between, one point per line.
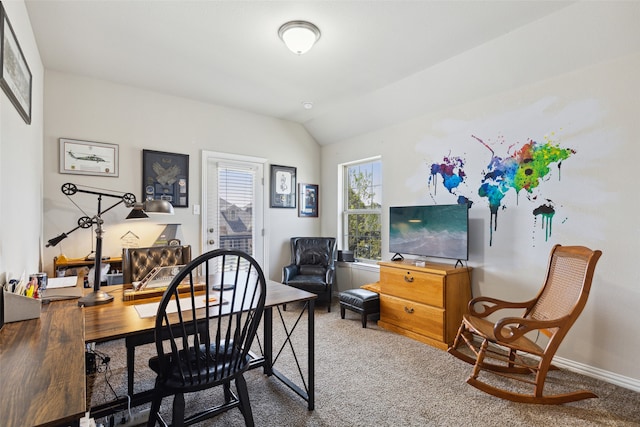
x=88, y=158
x=283, y=187
x=15, y=75
x=165, y=176
x=308, y=200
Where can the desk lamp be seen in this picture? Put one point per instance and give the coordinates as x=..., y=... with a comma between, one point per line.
x=98, y=297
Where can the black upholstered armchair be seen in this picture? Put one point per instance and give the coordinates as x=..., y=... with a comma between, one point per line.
x=312, y=266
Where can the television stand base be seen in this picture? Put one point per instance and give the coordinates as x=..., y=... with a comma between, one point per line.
x=397, y=257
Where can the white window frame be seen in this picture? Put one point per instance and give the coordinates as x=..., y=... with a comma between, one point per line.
x=343, y=232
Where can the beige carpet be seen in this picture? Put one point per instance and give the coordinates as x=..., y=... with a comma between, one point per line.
x=372, y=377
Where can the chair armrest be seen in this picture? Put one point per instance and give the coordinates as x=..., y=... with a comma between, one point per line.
x=288, y=272
x=490, y=305
x=516, y=327
x=330, y=275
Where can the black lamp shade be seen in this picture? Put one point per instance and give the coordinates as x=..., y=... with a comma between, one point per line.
x=137, y=213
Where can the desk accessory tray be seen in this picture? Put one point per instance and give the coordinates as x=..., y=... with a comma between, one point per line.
x=18, y=307
x=159, y=277
x=154, y=284
x=133, y=295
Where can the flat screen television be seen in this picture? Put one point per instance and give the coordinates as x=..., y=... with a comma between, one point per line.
x=440, y=231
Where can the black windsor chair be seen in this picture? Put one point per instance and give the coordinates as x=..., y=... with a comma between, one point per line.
x=203, y=337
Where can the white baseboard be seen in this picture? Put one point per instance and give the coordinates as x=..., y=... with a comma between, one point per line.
x=597, y=373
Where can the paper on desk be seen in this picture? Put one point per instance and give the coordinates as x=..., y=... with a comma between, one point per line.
x=150, y=309
x=62, y=282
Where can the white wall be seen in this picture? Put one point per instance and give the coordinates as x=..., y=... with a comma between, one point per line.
x=93, y=110
x=594, y=110
x=21, y=164
x=352, y=275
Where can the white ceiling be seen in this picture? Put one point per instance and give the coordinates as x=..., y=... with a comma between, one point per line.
x=361, y=75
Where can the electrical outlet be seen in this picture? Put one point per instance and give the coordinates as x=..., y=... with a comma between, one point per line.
x=137, y=418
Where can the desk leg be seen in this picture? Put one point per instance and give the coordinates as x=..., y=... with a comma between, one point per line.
x=307, y=392
x=312, y=347
x=268, y=341
x=131, y=362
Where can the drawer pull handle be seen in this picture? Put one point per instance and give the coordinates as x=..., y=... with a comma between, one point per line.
x=408, y=310
x=408, y=279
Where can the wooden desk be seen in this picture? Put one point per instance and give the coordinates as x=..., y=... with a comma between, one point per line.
x=119, y=319
x=42, y=368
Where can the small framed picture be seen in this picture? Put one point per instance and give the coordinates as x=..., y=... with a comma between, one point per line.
x=283, y=187
x=15, y=75
x=308, y=200
x=165, y=176
x=88, y=158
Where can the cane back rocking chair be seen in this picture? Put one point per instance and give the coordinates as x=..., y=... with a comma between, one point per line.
x=501, y=348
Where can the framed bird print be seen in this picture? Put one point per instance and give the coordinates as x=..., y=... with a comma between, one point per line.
x=165, y=176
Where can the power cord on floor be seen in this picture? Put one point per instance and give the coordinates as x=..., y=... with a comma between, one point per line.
x=105, y=367
x=102, y=365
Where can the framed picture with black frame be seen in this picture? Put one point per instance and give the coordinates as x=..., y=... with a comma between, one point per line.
x=165, y=176
x=283, y=187
x=308, y=200
x=15, y=75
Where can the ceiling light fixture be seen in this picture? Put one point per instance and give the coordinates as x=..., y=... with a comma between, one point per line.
x=299, y=36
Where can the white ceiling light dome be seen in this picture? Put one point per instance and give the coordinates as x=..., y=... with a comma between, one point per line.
x=299, y=36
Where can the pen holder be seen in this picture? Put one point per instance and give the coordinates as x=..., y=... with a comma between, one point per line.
x=18, y=307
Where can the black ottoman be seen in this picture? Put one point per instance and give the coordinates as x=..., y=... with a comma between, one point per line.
x=361, y=301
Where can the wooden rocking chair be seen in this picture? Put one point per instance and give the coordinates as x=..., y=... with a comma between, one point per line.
x=502, y=347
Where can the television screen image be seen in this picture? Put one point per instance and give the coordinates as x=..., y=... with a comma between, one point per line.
x=439, y=231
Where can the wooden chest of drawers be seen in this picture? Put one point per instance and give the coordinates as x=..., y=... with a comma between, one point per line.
x=423, y=303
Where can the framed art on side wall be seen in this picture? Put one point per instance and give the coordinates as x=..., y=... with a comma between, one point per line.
x=283, y=187
x=88, y=158
x=308, y=200
x=165, y=176
x=15, y=76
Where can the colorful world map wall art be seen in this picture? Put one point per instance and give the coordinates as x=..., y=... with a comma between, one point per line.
x=523, y=168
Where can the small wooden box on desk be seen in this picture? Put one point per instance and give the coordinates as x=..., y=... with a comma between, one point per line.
x=423, y=303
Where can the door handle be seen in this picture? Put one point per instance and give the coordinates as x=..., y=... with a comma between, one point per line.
x=408, y=279
x=408, y=310
x=211, y=242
